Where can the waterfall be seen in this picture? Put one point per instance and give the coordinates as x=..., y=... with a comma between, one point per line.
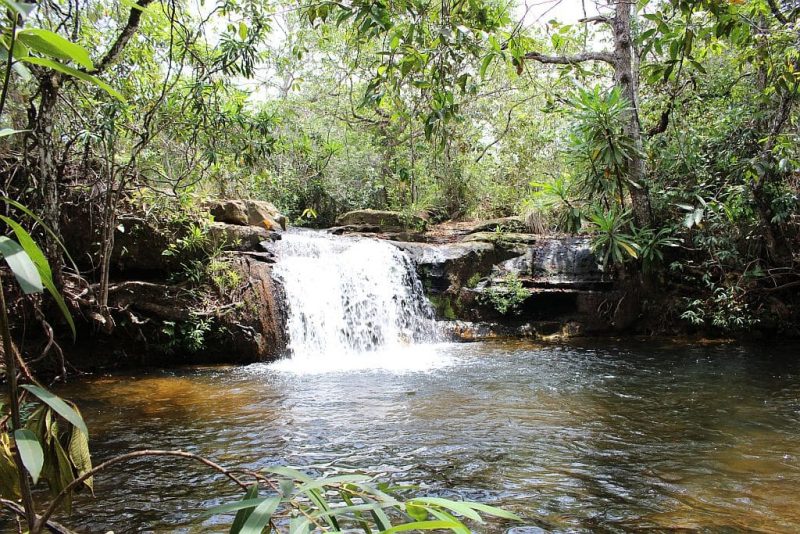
x=349, y=298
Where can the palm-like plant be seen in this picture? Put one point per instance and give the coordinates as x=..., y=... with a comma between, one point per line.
x=611, y=240
x=600, y=147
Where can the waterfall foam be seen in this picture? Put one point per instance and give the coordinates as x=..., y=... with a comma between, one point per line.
x=352, y=303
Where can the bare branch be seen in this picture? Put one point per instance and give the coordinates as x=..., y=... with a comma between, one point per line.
x=124, y=458
x=606, y=57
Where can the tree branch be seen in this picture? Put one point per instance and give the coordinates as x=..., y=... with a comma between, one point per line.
x=113, y=53
x=597, y=19
x=776, y=11
x=124, y=458
x=606, y=57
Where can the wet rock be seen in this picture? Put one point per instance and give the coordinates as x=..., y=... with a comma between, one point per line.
x=139, y=246
x=256, y=322
x=448, y=267
x=240, y=238
x=504, y=239
x=247, y=213
x=385, y=221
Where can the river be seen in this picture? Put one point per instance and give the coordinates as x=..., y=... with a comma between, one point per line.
x=600, y=436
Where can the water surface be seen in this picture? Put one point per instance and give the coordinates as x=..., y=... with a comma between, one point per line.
x=609, y=437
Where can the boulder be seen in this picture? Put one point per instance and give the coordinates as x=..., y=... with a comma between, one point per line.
x=448, y=267
x=247, y=213
x=240, y=238
x=257, y=321
x=385, y=221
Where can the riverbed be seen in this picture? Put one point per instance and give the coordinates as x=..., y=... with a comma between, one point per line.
x=593, y=437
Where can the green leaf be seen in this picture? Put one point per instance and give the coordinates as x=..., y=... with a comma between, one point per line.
x=53, y=45
x=39, y=220
x=261, y=516
x=21, y=8
x=424, y=525
x=444, y=516
x=30, y=451
x=78, y=452
x=60, y=67
x=299, y=525
x=235, y=506
x=458, y=507
x=61, y=407
x=493, y=510
x=8, y=131
x=21, y=265
x=242, y=30
x=9, y=477
x=243, y=514
x=37, y=256
x=416, y=511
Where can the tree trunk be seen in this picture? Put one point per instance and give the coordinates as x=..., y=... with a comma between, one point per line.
x=627, y=82
x=46, y=172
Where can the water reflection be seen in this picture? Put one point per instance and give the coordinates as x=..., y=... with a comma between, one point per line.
x=588, y=438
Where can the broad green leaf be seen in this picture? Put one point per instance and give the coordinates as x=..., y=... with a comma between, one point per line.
x=299, y=525
x=424, y=525
x=9, y=477
x=39, y=220
x=78, y=450
x=493, y=510
x=261, y=516
x=235, y=506
x=21, y=8
x=21, y=265
x=37, y=256
x=344, y=510
x=444, y=516
x=63, y=476
x=57, y=404
x=243, y=514
x=417, y=512
x=456, y=506
x=30, y=451
x=9, y=131
x=242, y=30
x=53, y=45
x=60, y=67
x=629, y=249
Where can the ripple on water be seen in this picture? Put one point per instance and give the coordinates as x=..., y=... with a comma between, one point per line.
x=576, y=439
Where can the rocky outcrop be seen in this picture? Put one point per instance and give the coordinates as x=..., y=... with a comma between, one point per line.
x=183, y=290
x=241, y=238
x=256, y=323
x=247, y=213
x=161, y=323
x=449, y=267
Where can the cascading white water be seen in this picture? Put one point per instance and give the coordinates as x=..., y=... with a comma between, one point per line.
x=350, y=300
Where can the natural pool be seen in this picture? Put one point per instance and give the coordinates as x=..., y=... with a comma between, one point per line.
x=593, y=437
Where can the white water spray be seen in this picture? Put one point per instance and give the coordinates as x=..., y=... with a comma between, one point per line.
x=352, y=303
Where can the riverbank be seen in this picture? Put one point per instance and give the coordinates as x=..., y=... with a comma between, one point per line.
x=199, y=286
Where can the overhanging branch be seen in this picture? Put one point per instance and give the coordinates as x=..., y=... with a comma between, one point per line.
x=571, y=60
x=134, y=18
